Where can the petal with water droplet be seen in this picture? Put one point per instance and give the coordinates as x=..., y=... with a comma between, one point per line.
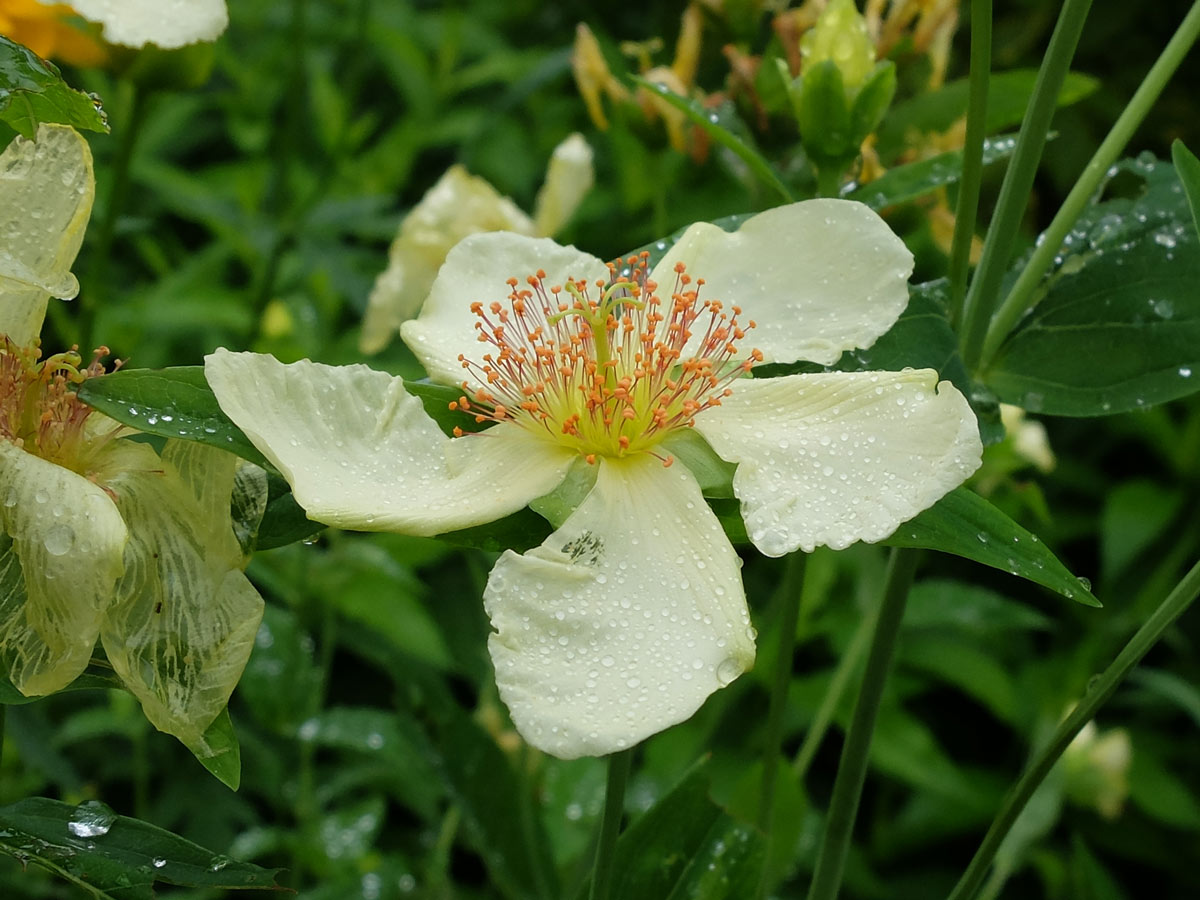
x=476, y=271
x=51, y=602
x=184, y=620
x=46, y=192
x=818, y=277
x=834, y=458
x=360, y=452
x=610, y=631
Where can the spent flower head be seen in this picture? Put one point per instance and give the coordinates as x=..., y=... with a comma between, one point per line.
x=102, y=538
x=632, y=612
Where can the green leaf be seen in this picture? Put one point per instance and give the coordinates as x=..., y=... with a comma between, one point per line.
x=173, y=403
x=93, y=679
x=967, y=609
x=497, y=814
x=221, y=753
x=872, y=101
x=823, y=116
x=284, y=521
x=1118, y=327
x=916, y=179
x=91, y=846
x=966, y=525
x=1008, y=96
x=719, y=129
x=387, y=738
x=1188, y=169
x=32, y=91
x=686, y=846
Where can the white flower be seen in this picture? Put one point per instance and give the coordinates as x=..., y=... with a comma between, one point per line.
x=626, y=618
x=102, y=538
x=167, y=23
x=461, y=204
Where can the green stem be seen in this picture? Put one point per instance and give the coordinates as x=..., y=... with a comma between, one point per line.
x=1018, y=180
x=829, y=181
x=610, y=825
x=852, y=770
x=789, y=597
x=101, y=250
x=845, y=670
x=1099, y=690
x=967, y=210
x=1022, y=297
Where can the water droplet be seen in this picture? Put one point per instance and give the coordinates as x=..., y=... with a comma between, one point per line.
x=159, y=862
x=728, y=670
x=59, y=540
x=91, y=819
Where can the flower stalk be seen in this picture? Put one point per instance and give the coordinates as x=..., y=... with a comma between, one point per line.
x=852, y=769
x=1023, y=296
x=1018, y=181
x=1099, y=690
x=610, y=824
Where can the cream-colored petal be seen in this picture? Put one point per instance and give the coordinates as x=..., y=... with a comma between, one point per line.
x=624, y=620
x=834, y=458
x=184, y=621
x=569, y=177
x=460, y=204
x=818, y=277
x=477, y=269
x=360, y=452
x=63, y=545
x=46, y=193
x=167, y=23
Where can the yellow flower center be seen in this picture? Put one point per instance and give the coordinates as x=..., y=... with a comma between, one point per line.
x=601, y=367
x=39, y=411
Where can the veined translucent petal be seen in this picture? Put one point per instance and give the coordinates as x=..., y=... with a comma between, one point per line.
x=476, y=271
x=360, y=452
x=818, y=277
x=167, y=23
x=46, y=193
x=460, y=204
x=624, y=620
x=61, y=558
x=834, y=458
x=184, y=621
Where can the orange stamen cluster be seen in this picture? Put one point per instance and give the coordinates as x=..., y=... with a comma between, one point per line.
x=39, y=411
x=607, y=368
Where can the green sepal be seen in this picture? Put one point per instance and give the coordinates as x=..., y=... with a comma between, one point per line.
x=823, y=116
x=872, y=101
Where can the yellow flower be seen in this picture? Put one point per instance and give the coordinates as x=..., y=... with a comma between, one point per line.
x=461, y=204
x=47, y=30
x=102, y=538
x=595, y=376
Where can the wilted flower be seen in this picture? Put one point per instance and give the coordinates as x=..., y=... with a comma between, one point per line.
x=627, y=617
x=102, y=536
x=462, y=204
x=166, y=23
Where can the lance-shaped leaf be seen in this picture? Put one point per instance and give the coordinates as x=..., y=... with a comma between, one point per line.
x=32, y=91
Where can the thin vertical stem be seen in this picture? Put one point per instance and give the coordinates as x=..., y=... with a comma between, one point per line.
x=1018, y=180
x=967, y=210
x=610, y=825
x=852, y=770
x=101, y=250
x=788, y=597
x=1022, y=297
x=1099, y=690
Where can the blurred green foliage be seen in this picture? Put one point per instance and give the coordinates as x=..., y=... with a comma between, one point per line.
x=377, y=761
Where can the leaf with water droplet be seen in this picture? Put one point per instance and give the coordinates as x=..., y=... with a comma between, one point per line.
x=32, y=91
x=174, y=403
x=916, y=179
x=112, y=853
x=966, y=525
x=1118, y=327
